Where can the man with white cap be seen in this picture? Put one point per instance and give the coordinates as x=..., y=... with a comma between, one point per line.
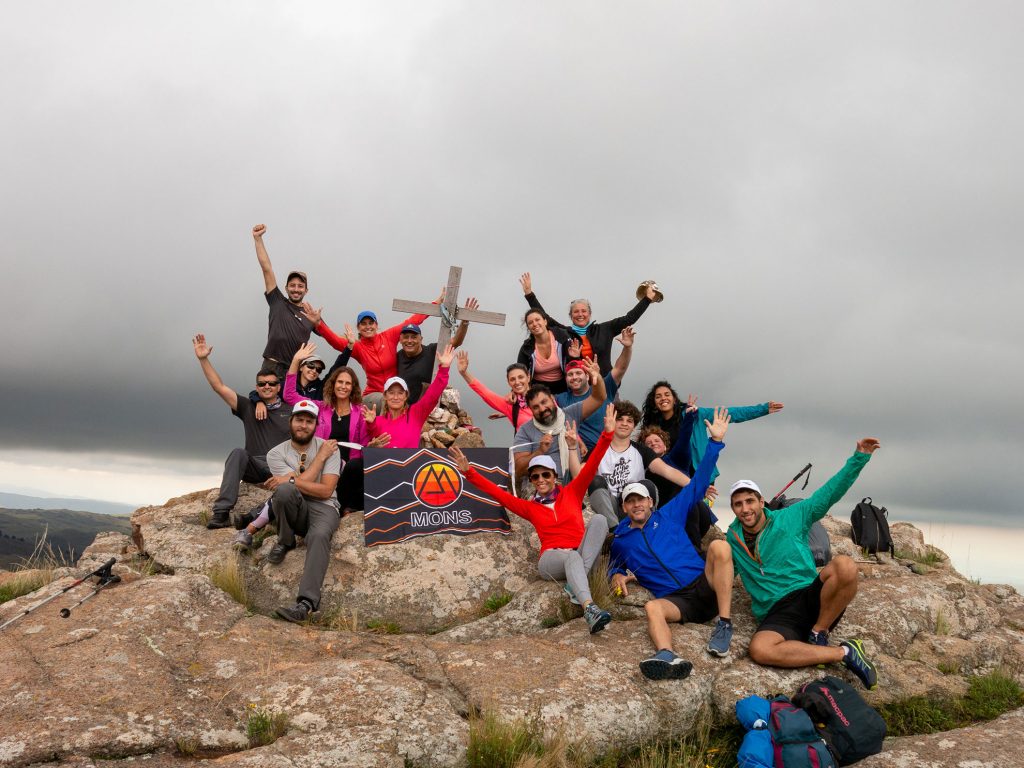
x=305, y=471
x=568, y=548
x=287, y=327
x=653, y=547
x=797, y=606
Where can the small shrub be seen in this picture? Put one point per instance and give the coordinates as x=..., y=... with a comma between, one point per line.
x=949, y=667
x=227, y=575
x=382, y=627
x=495, y=603
x=260, y=535
x=494, y=743
x=941, y=623
x=991, y=695
x=264, y=726
x=187, y=745
x=930, y=557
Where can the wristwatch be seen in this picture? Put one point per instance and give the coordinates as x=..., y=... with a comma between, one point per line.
x=291, y=480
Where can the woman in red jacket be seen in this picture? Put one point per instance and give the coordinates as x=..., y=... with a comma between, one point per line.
x=567, y=549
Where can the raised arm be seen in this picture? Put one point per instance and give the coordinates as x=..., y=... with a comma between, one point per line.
x=513, y=504
x=419, y=410
x=340, y=343
x=816, y=507
x=582, y=481
x=203, y=350
x=626, y=355
x=663, y=469
x=598, y=392
x=269, y=281
x=572, y=442
x=527, y=283
x=682, y=503
x=460, y=334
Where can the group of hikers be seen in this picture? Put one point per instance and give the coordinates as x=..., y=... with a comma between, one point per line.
x=572, y=440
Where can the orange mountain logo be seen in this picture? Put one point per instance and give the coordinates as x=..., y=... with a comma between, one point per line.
x=437, y=484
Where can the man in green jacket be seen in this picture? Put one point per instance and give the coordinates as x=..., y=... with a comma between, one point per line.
x=796, y=606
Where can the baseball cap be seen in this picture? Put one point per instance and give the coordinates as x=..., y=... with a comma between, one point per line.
x=574, y=364
x=745, y=485
x=312, y=359
x=306, y=406
x=635, y=489
x=395, y=380
x=296, y=273
x=365, y=314
x=410, y=328
x=543, y=461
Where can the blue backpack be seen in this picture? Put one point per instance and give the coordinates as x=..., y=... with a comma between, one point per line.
x=780, y=735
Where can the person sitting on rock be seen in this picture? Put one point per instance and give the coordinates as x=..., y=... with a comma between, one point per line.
x=796, y=605
x=595, y=338
x=578, y=387
x=402, y=421
x=248, y=464
x=674, y=453
x=626, y=462
x=568, y=549
x=305, y=471
x=655, y=547
x=543, y=435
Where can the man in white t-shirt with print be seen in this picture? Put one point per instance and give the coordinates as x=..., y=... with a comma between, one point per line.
x=625, y=462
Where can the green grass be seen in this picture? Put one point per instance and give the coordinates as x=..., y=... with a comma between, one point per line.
x=988, y=697
x=494, y=743
x=382, y=627
x=941, y=623
x=550, y=622
x=340, y=619
x=261, y=534
x=264, y=726
x=930, y=557
x=495, y=603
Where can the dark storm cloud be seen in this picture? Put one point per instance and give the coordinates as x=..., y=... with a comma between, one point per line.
x=828, y=197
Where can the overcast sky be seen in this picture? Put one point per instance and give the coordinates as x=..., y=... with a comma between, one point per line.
x=829, y=196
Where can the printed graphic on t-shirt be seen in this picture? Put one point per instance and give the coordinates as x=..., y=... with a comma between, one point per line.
x=621, y=469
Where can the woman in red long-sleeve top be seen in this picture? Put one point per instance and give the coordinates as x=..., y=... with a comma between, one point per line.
x=568, y=550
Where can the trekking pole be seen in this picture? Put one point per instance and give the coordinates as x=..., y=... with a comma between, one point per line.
x=798, y=476
x=107, y=580
x=103, y=572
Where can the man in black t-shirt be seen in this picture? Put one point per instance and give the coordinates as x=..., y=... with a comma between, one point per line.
x=287, y=327
x=247, y=464
x=416, y=359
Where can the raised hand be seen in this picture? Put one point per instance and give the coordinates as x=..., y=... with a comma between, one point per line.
x=609, y=417
x=774, y=407
x=868, y=445
x=651, y=293
x=571, y=436
x=312, y=314
x=526, y=282
x=575, y=347
x=626, y=337
x=260, y=411
x=463, y=361
x=350, y=334
x=545, y=443
x=369, y=414
x=445, y=358
x=472, y=303
x=718, y=427
x=440, y=298
x=380, y=441
x=593, y=370
x=202, y=349
x=304, y=351
x=461, y=462
x=691, y=403
x=258, y=231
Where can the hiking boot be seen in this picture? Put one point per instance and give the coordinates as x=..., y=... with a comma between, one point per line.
x=242, y=519
x=570, y=595
x=597, y=618
x=721, y=637
x=277, y=553
x=818, y=638
x=242, y=541
x=297, y=613
x=665, y=665
x=218, y=520
x=856, y=660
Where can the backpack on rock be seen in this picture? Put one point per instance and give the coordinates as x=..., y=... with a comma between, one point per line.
x=851, y=727
x=870, y=528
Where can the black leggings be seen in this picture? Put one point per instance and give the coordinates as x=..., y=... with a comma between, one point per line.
x=350, y=486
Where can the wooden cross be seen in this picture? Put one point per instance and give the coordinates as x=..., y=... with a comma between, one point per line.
x=449, y=310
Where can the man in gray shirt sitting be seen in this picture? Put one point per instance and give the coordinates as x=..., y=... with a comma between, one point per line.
x=305, y=476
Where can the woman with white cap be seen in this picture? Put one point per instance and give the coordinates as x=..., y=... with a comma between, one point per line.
x=568, y=549
x=404, y=422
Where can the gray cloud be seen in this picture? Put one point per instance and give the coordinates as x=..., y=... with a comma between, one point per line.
x=827, y=195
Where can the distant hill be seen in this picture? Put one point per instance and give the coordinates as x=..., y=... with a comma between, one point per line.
x=67, y=531
x=18, y=501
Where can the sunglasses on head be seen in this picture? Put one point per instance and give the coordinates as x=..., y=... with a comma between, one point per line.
x=267, y=383
x=544, y=474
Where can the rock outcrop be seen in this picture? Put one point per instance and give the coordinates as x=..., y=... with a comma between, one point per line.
x=166, y=664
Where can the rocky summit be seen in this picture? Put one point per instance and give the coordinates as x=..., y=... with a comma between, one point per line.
x=165, y=667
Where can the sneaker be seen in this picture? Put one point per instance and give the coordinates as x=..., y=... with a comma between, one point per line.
x=219, y=520
x=297, y=613
x=721, y=637
x=665, y=665
x=569, y=593
x=277, y=553
x=242, y=541
x=241, y=519
x=597, y=618
x=818, y=638
x=856, y=660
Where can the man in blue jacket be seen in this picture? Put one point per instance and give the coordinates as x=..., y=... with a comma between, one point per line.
x=651, y=547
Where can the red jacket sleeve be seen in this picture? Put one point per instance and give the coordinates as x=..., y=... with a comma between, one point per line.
x=340, y=343
x=579, y=484
x=498, y=403
x=521, y=507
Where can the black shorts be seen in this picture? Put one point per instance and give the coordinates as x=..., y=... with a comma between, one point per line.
x=696, y=602
x=794, y=615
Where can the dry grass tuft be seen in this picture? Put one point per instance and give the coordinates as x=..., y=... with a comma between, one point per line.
x=227, y=574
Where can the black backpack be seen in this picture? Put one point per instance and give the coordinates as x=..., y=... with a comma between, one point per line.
x=851, y=727
x=870, y=528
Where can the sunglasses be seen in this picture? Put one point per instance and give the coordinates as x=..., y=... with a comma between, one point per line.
x=267, y=383
x=314, y=366
x=302, y=463
x=547, y=474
